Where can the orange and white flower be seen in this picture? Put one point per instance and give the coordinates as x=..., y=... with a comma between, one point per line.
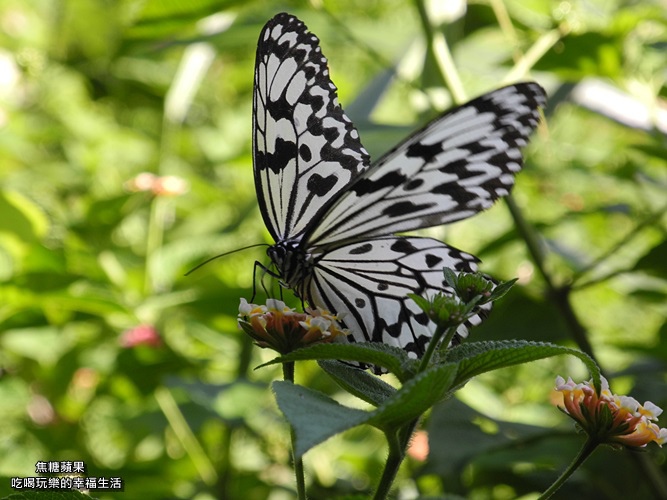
x=283, y=329
x=608, y=417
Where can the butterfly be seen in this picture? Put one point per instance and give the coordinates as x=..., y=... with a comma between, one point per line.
x=333, y=214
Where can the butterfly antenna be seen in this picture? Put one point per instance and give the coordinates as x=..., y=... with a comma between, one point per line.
x=223, y=255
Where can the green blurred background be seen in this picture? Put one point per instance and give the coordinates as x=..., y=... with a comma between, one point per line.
x=110, y=355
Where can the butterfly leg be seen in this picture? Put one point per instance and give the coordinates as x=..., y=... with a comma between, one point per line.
x=265, y=271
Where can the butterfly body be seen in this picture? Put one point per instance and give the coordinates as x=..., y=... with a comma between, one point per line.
x=333, y=215
x=292, y=261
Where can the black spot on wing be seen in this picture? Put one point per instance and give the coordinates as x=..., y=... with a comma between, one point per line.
x=313, y=123
x=459, y=194
x=403, y=246
x=362, y=249
x=260, y=159
x=284, y=153
x=331, y=134
x=320, y=186
x=405, y=207
x=432, y=260
x=419, y=346
x=359, y=302
x=427, y=152
x=305, y=153
x=368, y=186
x=413, y=184
x=460, y=168
x=461, y=266
x=422, y=318
x=394, y=330
x=478, y=148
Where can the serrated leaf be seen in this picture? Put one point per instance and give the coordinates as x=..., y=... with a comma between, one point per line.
x=475, y=358
x=358, y=382
x=314, y=416
x=391, y=358
x=415, y=397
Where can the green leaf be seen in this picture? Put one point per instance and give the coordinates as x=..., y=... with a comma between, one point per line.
x=451, y=278
x=654, y=261
x=231, y=401
x=172, y=18
x=391, y=358
x=314, y=416
x=46, y=344
x=459, y=434
x=21, y=217
x=48, y=495
x=475, y=358
x=584, y=54
x=502, y=289
x=415, y=397
x=358, y=382
x=423, y=303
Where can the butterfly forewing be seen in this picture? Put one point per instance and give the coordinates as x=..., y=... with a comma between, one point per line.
x=333, y=217
x=454, y=167
x=305, y=149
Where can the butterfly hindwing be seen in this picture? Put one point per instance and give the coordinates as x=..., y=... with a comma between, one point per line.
x=367, y=283
x=305, y=149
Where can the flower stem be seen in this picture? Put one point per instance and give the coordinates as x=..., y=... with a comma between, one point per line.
x=448, y=334
x=288, y=375
x=584, y=453
x=398, y=441
x=396, y=454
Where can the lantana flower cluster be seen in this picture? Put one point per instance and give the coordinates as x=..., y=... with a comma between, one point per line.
x=283, y=329
x=608, y=417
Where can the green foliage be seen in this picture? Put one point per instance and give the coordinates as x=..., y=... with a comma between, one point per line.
x=361, y=384
x=94, y=93
x=48, y=495
x=316, y=417
x=392, y=359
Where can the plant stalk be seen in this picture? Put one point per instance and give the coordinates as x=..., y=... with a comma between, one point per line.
x=288, y=375
x=560, y=295
x=584, y=453
x=394, y=460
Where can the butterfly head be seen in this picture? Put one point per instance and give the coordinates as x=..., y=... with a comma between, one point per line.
x=293, y=263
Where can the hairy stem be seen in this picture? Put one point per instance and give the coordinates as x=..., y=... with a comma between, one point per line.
x=288, y=375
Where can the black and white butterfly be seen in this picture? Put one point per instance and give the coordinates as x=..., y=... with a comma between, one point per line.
x=333, y=214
